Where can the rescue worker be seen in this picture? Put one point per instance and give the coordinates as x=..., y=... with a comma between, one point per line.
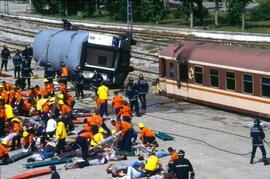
x=55, y=174
x=60, y=136
x=67, y=114
x=78, y=80
x=103, y=92
x=49, y=87
x=125, y=112
x=182, y=167
x=28, y=142
x=153, y=165
x=5, y=55
x=83, y=139
x=143, y=90
x=147, y=135
x=117, y=102
x=257, y=134
x=49, y=72
x=41, y=93
x=26, y=73
x=2, y=118
x=174, y=154
x=17, y=62
x=63, y=73
x=45, y=114
x=98, y=137
x=16, y=127
x=132, y=94
x=96, y=80
x=27, y=54
x=127, y=133
x=4, y=152
x=95, y=121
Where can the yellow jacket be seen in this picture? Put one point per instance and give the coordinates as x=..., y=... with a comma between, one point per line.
x=61, y=132
x=98, y=138
x=9, y=111
x=103, y=92
x=152, y=163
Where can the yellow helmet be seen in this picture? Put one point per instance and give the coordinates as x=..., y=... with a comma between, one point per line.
x=4, y=142
x=25, y=134
x=16, y=120
x=113, y=132
x=60, y=96
x=52, y=99
x=141, y=125
x=101, y=130
x=45, y=80
x=61, y=102
x=1, y=86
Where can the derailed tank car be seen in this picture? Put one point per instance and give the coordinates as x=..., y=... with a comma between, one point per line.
x=107, y=54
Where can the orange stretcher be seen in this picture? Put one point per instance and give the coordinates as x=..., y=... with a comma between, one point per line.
x=32, y=174
x=79, y=121
x=4, y=74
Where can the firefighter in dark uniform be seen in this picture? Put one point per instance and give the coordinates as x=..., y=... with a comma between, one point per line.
x=143, y=90
x=27, y=54
x=5, y=55
x=132, y=94
x=26, y=73
x=182, y=167
x=257, y=134
x=49, y=72
x=96, y=80
x=17, y=62
x=78, y=80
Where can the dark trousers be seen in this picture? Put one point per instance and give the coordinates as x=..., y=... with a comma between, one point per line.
x=142, y=98
x=104, y=126
x=83, y=143
x=28, y=81
x=79, y=90
x=103, y=109
x=4, y=63
x=44, y=117
x=254, y=148
x=2, y=127
x=14, y=140
x=17, y=71
x=60, y=147
x=116, y=111
x=126, y=144
x=134, y=104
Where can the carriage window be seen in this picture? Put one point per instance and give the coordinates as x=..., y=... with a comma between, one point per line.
x=171, y=70
x=214, y=80
x=230, y=81
x=265, y=86
x=248, y=84
x=198, y=74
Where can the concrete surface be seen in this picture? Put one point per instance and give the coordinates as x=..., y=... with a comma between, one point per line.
x=195, y=124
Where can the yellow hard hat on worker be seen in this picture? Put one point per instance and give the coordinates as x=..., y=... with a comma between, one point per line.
x=45, y=80
x=52, y=99
x=60, y=96
x=113, y=132
x=16, y=120
x=4, y=142
x=61, y=102
x=141, y=125
x=25, y=134
x=101, y=130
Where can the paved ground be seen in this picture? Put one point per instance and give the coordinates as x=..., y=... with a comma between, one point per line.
x=197, y=129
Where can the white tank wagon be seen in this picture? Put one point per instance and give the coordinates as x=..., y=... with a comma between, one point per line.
x=107, y=54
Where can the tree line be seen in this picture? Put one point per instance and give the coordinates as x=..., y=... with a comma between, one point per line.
x=152, y=10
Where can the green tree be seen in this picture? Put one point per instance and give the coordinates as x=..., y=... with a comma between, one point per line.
x=237, y=11
x=262, y=11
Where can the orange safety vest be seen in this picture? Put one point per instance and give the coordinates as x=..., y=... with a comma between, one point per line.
x=95, y=120
x=64, y=72
x=117, y=102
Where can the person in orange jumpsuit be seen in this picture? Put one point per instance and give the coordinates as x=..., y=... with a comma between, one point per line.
x=16, y=127
x=67, y=114
x=83, y=139
x=63, y=88
x=4, y=152
x=28, y=142
x=2, y=118
x=174, y=154
x=127, y=134
x=41, y=93
x=63, y=73
x=69, y=99
x=125, y=112
x=4, y=94
x=26, y=107
x=147, y=135
x=49, y=88
x=95, y=121
x=117, y=102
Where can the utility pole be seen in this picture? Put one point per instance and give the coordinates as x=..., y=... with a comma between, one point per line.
x=129, y=17
x=6, y=9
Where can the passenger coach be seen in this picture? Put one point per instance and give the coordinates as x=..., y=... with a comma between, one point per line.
x=226, y=77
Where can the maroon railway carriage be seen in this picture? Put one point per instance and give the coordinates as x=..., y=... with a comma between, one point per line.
x=232, y=78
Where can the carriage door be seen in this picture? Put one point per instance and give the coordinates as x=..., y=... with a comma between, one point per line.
x=183, y=71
